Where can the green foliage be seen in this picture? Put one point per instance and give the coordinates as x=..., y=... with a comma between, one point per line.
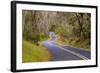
x=73, y=27
x=32, y=31
x=43, y=37
x=60, y=29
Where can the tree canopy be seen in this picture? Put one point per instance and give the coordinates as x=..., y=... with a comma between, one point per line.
x=69, y=25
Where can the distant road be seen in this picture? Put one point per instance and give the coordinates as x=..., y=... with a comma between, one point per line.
x=61, y=53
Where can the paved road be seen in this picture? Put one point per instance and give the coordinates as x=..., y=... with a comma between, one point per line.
x=77, y=50
x=61, y=53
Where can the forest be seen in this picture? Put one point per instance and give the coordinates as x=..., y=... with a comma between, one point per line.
x=72, y=29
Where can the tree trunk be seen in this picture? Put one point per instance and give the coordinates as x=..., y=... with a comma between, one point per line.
x=80, y=22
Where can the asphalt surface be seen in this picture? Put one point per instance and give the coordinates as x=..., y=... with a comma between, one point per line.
x=77, y=50
x=62, y=53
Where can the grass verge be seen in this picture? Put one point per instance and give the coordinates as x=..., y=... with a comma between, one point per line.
x=84, y=45
x=34, y=53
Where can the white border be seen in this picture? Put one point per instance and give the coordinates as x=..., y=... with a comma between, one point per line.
x=38, y=65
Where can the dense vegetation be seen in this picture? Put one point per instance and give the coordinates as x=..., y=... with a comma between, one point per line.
x=72, y=28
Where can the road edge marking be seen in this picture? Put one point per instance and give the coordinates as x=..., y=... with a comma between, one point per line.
x=77, y=54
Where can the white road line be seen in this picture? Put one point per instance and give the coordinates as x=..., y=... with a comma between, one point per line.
x=76, y=54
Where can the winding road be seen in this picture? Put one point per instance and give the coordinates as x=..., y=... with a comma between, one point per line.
x=61, y=53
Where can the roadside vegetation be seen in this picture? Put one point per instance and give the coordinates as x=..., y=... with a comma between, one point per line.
x=73, y=29
x=34, y=53
x=74, y=42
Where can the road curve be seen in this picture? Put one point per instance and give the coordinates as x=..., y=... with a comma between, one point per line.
x=62, y=53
